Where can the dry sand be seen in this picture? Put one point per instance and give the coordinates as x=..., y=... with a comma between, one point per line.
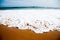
x=7, y=33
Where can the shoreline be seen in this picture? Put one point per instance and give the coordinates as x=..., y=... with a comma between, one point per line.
x=9, y=33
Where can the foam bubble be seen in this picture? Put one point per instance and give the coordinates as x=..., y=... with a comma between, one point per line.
x=38, y=21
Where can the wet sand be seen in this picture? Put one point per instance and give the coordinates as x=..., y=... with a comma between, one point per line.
x=7, y=33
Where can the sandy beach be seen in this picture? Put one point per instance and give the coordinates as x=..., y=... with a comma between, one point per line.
x=10, y=33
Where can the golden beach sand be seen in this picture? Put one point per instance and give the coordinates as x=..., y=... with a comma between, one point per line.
x=11, y=33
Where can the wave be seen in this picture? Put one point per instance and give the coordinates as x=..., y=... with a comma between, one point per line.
x=30, y=7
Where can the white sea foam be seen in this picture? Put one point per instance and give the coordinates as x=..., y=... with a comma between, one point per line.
x=37, y=20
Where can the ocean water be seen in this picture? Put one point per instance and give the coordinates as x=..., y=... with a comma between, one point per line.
x=28, y=3
x=37, y=20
